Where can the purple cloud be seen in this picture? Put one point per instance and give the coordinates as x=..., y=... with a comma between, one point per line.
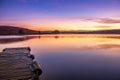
x=108, y=21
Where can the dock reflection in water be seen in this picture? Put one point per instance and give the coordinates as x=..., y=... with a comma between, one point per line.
x=73, y=57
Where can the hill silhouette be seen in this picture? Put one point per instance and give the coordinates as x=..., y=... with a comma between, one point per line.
x=11, y=30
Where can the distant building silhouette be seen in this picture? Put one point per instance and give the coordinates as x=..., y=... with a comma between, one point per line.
x=21, y=31
x=56, y=32
x=39, y=32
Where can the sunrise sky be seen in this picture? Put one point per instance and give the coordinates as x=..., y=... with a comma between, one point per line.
x=61, y=14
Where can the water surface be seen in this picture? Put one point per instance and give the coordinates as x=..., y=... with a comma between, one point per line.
x=72, y=57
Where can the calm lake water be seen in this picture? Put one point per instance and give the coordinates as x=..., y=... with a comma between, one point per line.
x=72, y=57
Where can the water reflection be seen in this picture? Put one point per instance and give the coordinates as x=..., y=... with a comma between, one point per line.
x=74, y=57
x=18, y=39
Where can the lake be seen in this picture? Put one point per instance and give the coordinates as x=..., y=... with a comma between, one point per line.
x=73, y=56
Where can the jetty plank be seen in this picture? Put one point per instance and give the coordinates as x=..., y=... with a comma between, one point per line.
x=15, y=64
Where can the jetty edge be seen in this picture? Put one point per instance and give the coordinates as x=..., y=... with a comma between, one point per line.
x=18, y=64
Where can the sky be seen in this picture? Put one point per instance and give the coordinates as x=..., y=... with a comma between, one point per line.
x=61, y=15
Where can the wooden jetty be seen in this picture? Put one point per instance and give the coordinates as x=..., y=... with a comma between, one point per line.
x=18, y=64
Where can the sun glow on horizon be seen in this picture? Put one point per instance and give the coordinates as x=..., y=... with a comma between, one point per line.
x=65, y=25
x=63, y=15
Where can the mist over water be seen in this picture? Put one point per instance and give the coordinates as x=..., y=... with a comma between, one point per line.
x=72, y=57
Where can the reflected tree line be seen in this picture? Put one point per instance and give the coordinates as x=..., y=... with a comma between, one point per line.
x=13, y=40
x=25, y=38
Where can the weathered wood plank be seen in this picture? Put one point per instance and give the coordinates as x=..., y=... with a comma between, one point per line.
x=19, y=50
x=15, y=64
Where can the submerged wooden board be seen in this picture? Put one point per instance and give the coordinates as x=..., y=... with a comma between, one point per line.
x=15, y=64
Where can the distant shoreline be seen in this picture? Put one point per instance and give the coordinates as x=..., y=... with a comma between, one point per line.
x=11, y=30
x=62, y=34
